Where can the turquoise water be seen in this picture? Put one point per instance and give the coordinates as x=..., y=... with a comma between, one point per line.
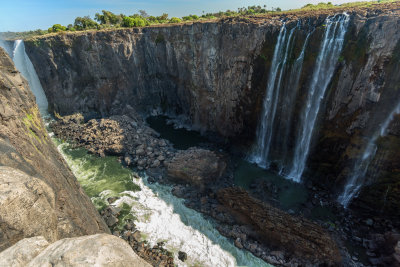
x=289, y=195
x=180, y=138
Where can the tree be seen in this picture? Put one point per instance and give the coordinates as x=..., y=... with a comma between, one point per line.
x=82, y=23
x=108, y=18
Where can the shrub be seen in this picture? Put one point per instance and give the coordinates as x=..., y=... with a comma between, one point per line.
x=57, y=28
x=175, y=20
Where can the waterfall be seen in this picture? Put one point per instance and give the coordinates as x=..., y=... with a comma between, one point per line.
x=288, y=105
x=24, y=65
x=331, y=47
x=265, y=128
x=360, y=168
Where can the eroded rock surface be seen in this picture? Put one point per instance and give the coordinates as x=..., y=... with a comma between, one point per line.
x=20, y=254
x=27, y=207
x=295, y=235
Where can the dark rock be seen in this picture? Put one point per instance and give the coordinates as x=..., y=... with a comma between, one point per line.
x=182, y=256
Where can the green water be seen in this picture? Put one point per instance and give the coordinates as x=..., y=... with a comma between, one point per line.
x=97, y=174
x=180, y=138
x=290, y=195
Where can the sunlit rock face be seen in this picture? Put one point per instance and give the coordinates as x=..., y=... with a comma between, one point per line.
x=215, y=75
x=39, y=194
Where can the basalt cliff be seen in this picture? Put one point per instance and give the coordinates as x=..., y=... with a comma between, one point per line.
x=213, y=75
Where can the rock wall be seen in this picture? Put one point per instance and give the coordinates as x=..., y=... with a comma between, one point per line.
x=214, y=74
x=39, y=195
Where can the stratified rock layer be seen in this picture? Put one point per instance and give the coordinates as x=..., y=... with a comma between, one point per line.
x=296, y=235
x=39, y=194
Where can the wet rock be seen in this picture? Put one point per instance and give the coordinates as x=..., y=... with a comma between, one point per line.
x=238, y=243
x=182, y=256
x=111, y=221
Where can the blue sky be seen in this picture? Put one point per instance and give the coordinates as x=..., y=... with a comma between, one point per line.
x=22, y=15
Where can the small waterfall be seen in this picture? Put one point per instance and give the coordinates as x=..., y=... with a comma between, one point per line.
x=331, y=47
x=360, y=168
x=24, y=65
x=265, y=128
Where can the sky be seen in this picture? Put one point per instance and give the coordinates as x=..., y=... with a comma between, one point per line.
x=24, y=15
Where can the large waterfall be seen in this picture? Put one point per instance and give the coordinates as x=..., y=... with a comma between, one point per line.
x=358, y=175
x=264, y=133
x=273, y=132
x=331, y=47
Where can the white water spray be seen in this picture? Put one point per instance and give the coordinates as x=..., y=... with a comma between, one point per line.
x=331, y=47
x=24, y=65
x=358, y=175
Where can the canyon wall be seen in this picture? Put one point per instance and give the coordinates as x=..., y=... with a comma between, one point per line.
x=39, y=195
x=215, y=74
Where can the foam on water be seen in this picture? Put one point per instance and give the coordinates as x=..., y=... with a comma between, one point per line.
x=164, y=217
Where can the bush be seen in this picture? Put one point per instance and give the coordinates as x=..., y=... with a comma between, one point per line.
x=57, y=28
x=175, y=20
x=130, y=22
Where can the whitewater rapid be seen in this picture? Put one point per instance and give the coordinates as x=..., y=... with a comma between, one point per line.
x=163, y=217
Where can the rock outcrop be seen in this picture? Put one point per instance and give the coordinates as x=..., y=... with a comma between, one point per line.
x=196, y=166
x=215, y=74
x=297, y=236
x=94, y=250
x=39, y=194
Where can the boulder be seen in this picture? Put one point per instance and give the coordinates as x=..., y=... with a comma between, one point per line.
x=27, y=207
x=196, y=166
x=23, y=252
x=93, y=250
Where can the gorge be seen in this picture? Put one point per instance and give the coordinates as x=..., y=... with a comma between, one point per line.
x=311, y=96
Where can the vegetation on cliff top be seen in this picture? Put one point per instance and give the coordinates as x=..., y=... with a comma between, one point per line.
x=107, y=19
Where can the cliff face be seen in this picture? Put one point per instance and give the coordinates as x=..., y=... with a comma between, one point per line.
x=201, y=71
x=39, y=194
x=215, y=74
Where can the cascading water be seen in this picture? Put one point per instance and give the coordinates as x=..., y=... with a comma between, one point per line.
x=331, y=47
x=161, y=216
x=287, y=108
x=265, y=128
x=24, y=65
x=360, y=168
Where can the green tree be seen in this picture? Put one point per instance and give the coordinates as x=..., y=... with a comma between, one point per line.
x=83, y=23
x=108, y=18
